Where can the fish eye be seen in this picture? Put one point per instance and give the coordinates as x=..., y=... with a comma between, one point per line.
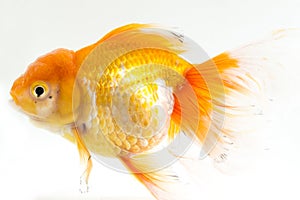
x=39, y=90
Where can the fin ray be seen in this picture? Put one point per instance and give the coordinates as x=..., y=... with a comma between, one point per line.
x=167, y=183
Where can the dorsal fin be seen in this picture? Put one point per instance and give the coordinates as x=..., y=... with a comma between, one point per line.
x=121, y=29
x=137, y=36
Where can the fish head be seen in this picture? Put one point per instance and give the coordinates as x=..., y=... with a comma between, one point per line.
x=44, y=91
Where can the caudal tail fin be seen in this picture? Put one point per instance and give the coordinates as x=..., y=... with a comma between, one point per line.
x=223, y=97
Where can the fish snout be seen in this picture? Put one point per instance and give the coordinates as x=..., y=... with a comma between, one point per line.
x=14, y=97
x=15, y=91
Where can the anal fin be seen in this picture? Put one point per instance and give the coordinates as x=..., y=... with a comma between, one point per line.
x=169, y=182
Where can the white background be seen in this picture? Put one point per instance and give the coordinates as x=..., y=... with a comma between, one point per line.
x=35, y=164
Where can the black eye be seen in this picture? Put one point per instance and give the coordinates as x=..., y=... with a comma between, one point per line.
x=39, y=91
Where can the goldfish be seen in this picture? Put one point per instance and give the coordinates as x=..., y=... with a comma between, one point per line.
x=143, y=95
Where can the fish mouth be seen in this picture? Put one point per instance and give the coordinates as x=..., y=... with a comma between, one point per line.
x=13, y=103
x=38, y=121
x=15, y=106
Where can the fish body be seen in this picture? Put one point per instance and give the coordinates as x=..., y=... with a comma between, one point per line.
x=133, y=93
x=125, y=100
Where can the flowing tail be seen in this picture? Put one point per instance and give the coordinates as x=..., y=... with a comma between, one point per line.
x=233, y=91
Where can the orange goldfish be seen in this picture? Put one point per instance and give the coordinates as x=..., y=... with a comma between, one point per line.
x=143, y=95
